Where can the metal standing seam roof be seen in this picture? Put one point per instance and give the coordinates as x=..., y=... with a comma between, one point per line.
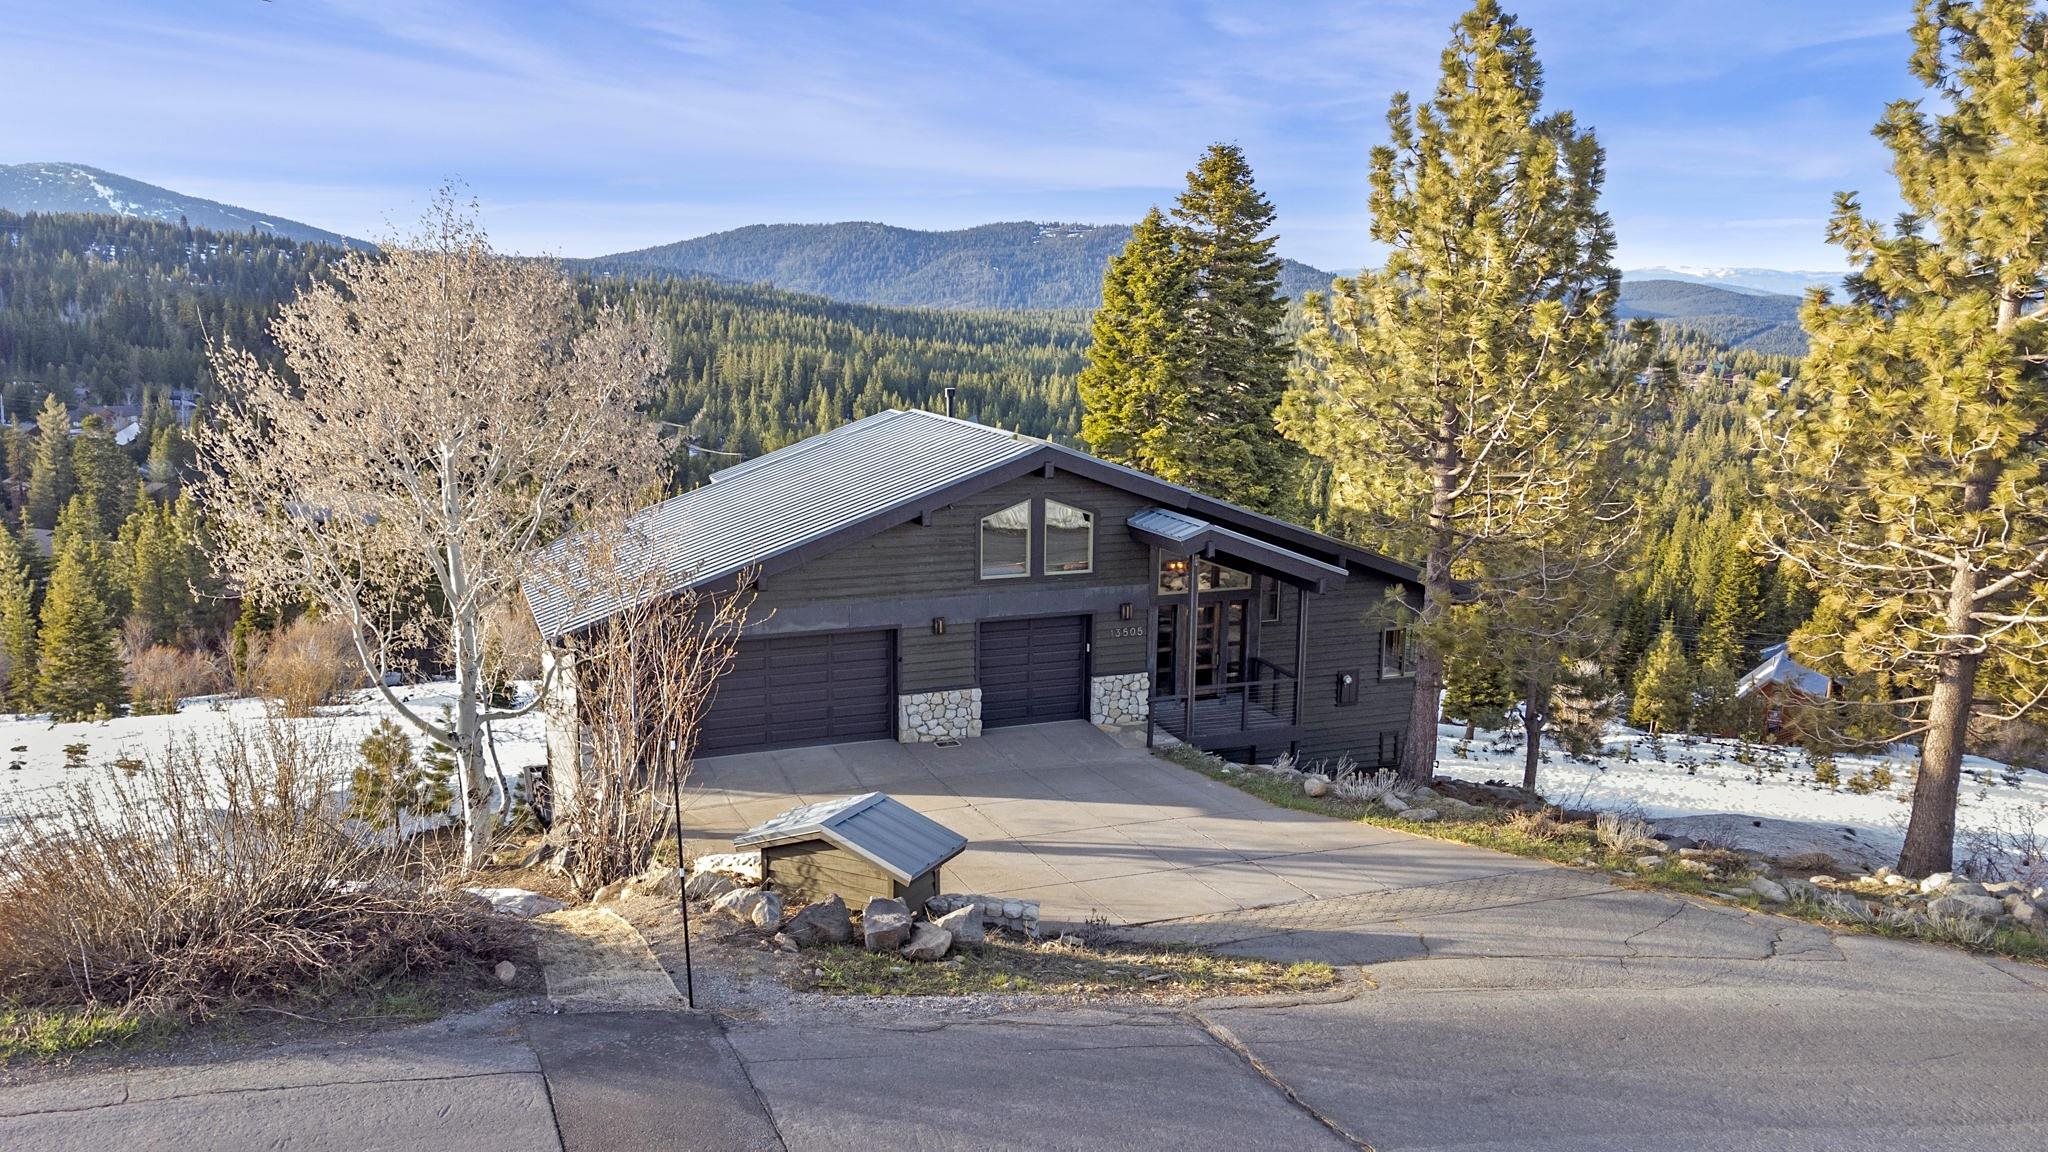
x=817, y=487
x=874, y=826
x=787, y=498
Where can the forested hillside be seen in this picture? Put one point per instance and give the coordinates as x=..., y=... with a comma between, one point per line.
x=1751, y=321
x=1017, y=265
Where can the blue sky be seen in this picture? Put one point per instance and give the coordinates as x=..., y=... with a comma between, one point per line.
x=589, y=127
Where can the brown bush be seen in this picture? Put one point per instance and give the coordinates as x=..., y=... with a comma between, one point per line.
x=209, y=881
x=307, y=663
x=161, y=676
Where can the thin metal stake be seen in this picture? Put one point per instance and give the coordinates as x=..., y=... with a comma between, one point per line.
x=675, y=799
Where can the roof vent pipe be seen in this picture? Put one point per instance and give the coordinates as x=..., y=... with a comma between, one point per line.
x=950, y=393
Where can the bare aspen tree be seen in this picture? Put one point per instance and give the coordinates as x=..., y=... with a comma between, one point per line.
x=442, y=412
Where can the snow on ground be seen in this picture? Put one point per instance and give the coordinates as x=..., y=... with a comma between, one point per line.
x=36, y=769
x=1700, y=777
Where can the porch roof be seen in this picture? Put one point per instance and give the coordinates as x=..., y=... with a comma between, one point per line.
x=1179, y=534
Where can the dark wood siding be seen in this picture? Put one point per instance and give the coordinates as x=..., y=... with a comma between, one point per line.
x=1034, y=671
x=1344, y=628
x=810, y=689
x=904, y=576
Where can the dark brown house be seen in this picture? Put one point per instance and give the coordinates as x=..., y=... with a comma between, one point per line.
x=926, y=578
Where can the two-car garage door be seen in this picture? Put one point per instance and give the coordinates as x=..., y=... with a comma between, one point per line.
x=784, y=691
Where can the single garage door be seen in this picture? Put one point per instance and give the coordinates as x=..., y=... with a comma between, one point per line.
x=1034, y=671
x=790, y=690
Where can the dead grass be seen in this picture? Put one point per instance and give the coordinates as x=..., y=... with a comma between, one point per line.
x=217, y=879
x=1059, y=967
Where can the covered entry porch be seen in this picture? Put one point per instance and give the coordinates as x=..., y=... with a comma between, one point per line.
x=1230, y=621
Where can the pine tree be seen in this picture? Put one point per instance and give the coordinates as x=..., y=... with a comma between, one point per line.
x=103, y=474
x=50, y=482
x=1236, y=351
x=1663, y=688
x=1189, y=359
x=389, y=783
x=1476, y=371
x=1137, y=360
x=17, y=624
x=78, y=671
x=1909, y=465
x=1737, y=612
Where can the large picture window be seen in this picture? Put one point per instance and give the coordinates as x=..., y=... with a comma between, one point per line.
x=1006, y=543
x=1069, y=539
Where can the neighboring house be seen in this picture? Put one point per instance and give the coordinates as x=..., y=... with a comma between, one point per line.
x=926, y=578
x=1783, y=684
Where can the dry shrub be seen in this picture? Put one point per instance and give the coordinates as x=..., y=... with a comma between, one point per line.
x=1536, y=825
x=309, y=662
x=1623, y=833
x=219, y=877
x=160, y=676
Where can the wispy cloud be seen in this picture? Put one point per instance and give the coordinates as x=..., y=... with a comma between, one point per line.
x=592, y=125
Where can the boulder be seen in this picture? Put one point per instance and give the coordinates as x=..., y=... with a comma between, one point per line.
x=1769, y=889
x=709, y=885
x=507, y=972
x=743, y=866
x=2024, y=910
x=517, y=902
x=1649, y=860
x=767, y=911
x=885, y=924
x=1315, y=786
x=659, y=883
x=1393, y=803
x=1935, y=882
x=1961, y=887
x=1420, y=815
x=965, y=925
x=928, y=941
x=1965, y=906
x=738, y=903
x=819, y=923
x=609, y=892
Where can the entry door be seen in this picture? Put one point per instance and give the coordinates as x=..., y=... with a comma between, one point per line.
x=1220, y=646
x=1033, y=671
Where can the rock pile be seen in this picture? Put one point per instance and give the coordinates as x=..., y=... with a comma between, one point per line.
x=1942, y=897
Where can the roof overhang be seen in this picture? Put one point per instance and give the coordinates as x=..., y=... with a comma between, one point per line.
x=1179, y=534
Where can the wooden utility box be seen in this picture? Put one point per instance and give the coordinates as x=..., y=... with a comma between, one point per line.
x=856, y=846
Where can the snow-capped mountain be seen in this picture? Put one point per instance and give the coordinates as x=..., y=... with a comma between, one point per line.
x=57, y=187
x=1752, y=281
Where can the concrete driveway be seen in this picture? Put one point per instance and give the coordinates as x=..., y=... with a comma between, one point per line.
x=1067, y=815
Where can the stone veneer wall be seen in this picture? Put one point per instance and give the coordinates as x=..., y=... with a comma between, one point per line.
x=953, y=713
x=1121, y=699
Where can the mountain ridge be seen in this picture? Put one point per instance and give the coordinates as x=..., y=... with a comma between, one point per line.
x=60, y=187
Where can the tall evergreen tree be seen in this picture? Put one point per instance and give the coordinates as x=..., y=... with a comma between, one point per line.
x=1738, y=610
x=1137, y=358
x=1910, y=466
x=17, y=624
x=1189, y=359
x=1464, y=397
x=103, y=473
x=1663, y=688
x=78, y=670
x=50, y=481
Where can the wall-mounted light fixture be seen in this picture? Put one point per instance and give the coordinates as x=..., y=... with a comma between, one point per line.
x=1125, y=610
x=938, y=625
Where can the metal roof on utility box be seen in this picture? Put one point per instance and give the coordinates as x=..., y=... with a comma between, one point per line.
x=875, y=826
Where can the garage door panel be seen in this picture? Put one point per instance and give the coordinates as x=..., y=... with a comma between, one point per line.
x=1033, y=671
x=786, y=691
